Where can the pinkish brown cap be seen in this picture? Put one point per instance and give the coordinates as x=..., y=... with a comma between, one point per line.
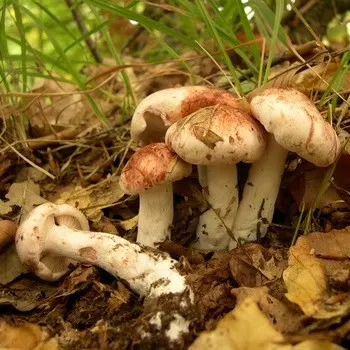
x=217, y=135
x=152, y=165
x=158, y=111
x=296, y=124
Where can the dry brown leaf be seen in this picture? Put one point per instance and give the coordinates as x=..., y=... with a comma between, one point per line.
x=252, y=265
x=66, y=109
x=309, y=80
x=29, y=336
x=304, y=185
x=247, y=328
x=25, y=195
x=92, y=199
x=302, y=78
x=308, y=276
x=129, y=224
x=280, y=313
x=10, y=265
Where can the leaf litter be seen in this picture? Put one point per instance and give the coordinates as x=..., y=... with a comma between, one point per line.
x=258, y=296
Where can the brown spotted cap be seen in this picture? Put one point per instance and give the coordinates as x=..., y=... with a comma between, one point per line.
x=152, y=165
x=158, y=111
x=217, y=135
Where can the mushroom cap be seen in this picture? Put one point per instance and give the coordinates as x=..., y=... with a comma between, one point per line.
x=152, y=165
x=161, y=109
x=217, y=135
x=31, y=234
x=297, y=125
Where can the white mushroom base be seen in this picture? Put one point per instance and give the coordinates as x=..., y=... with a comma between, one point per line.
x=148, y=273
x=257, y=206
x=221, y=194
x=155, y=215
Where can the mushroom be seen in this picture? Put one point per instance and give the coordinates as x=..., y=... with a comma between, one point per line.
x=7, y=233
x=42, y=240
x=150, y=173
x=218, y=137
x=294, y=124
x=158, y=111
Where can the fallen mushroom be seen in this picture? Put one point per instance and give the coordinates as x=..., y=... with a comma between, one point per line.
x=294, y=124
x=48, y=236
x=158, y=111
x=150, y=172
x=218, y=137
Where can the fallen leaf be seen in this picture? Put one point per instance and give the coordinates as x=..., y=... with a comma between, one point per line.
x=304, y=185
x=129, y=224
x=308, y=276
x=26, y=195
x=10, y=265
x=205, y=135
x=319, y=77
x=28, y=336
x=92, y=199
x=247, y=328
x=284, y=317
x=65, y=109
x=21, y=301
x=252, y=265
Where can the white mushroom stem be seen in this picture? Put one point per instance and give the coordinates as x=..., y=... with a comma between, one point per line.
x=202, y=175
x=155, y=215
x=222, y=196
x=148, y=273
x=257, y=206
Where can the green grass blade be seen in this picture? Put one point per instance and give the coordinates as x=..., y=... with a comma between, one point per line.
x=207, y=20
x=19, y=24
x=65, y=60
x=280, y=7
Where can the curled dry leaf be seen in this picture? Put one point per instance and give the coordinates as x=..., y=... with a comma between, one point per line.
x=309, y=79
x=252, y=265
x=247, y=328
x=302, y=78
x=317, y=277
x=26, y=337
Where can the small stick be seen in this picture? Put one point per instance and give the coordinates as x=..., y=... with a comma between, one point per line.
x=81, y=25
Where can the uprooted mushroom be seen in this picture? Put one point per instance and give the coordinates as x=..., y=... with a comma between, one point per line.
x=294, y=124
x=54, y=236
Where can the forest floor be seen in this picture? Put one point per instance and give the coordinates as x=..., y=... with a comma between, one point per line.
x=289, y=290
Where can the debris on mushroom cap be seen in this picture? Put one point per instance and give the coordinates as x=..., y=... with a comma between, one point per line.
x=161, y=109
x=296, y=124
x=152, y=165
x=217, y=135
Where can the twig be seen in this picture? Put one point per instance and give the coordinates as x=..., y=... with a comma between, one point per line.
x=81, y=25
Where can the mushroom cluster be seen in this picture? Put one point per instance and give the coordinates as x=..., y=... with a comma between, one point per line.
x=176, y=128
x=213, y=129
